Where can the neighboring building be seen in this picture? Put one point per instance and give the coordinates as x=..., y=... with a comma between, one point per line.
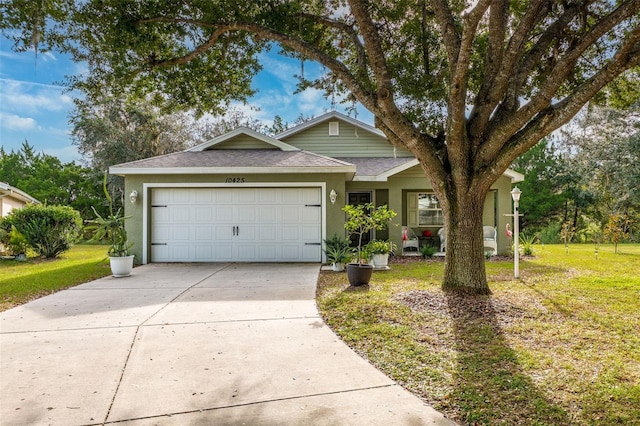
x=12, y=198
x=245, y=196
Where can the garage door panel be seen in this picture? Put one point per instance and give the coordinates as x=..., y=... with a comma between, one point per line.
x=222, y=252
x=291, y=233
x=235, y=224
x=224, y=214
x=246, y=233
x=310, y=234
x=203, y=214
x=267, y=233
x=203, y=253
x=311, y=215
x=203, y=233
x=291, y=214
x=179, y=252
x=180, y=233
x=246, y=215
x=267, y=214
x=223, y=233
x=311, y=252
x=180, y=214
x=180, y=197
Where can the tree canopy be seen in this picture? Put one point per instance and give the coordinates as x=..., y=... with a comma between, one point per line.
x=467, y=87
x=51, y=182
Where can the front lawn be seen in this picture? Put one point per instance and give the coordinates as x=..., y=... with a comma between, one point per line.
x=21, y=282
x=557, y=347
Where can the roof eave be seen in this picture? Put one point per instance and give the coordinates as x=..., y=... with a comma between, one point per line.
x=121, y=171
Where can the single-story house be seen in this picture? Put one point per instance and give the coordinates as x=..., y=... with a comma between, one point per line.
x=248, y=197
x=13, y=198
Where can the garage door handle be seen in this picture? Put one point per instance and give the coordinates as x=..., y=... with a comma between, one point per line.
x=313, y=205
x=312, y=244
x=158, y=244
x=236, y=230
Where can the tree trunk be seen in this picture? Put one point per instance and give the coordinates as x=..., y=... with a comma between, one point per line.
x=464, y=270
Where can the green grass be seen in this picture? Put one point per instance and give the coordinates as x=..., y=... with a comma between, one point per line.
x=557, y=347
x=21, y=282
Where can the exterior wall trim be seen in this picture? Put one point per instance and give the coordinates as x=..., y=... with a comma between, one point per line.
x=146, y=188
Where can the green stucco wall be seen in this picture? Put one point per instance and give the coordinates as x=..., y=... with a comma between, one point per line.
x=394, y=192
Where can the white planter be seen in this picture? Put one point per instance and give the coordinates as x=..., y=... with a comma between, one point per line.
x=121, y=266
x=381, y=261
x=337, y=267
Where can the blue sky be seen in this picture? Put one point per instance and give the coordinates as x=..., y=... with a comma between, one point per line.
x=34, y=108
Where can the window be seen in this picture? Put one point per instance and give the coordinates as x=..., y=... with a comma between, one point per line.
x=429, y=211
x=334, y=128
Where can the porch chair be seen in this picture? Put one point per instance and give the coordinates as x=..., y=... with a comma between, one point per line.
x=410, y=241
x=443, y=239
x=490, y=239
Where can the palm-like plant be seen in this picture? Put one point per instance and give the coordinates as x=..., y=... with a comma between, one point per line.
x=111, y=227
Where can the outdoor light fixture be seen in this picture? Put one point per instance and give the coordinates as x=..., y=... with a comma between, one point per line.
x=333, y=195
x=133, y=196
x=515, y=194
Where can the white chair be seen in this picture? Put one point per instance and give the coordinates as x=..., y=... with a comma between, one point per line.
x=410, y=242
x=443, y=239
x=490, y=239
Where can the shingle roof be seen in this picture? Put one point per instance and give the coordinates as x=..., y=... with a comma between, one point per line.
x=235, y=158
x=374, y=166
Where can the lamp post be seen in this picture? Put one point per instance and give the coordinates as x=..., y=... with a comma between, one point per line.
x=515, y=194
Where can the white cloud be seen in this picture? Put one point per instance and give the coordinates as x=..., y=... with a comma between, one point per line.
x=15, y=122
x=33, y=97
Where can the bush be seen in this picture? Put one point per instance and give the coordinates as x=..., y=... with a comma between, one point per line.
x=427, y=251
x=48, y=230
x=551, y=234
x=15, y=242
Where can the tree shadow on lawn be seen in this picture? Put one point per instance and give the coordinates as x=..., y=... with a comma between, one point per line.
x=490, y=384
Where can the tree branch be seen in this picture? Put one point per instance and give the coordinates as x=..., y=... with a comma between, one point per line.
x=508, y=124
x=447, y=24
x=376, y=55
x=553, y=117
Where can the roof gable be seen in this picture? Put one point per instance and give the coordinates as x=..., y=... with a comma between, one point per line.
x=242, y=138
x=337, y=135
x=333, y=115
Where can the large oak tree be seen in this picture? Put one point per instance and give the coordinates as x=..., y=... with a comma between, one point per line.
x=466, y=86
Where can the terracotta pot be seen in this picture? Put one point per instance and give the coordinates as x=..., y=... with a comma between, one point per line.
x=359, y=274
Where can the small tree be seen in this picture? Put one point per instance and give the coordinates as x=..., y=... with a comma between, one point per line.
x=617, y=229
x=362, y=218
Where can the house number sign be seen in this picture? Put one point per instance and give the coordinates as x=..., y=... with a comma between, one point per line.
x=234, y=180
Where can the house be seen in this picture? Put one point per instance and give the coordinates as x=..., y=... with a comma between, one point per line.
x=12, y=198
x=248, y=197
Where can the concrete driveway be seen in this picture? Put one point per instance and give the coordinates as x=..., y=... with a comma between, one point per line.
x=191, y=344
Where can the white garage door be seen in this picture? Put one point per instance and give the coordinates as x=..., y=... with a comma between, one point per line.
x=236, y=224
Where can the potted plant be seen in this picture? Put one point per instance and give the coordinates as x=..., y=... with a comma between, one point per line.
x=380, y=250
x=361, y=219
x=337, y=252
x=111, y=228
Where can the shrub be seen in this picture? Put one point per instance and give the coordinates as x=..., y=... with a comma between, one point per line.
x=48, y=230
x=550, y=234
x=527, y=243
x=381, y=247
x=16, y=242
x=427, y=251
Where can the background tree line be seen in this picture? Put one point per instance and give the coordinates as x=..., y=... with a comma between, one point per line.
x=585, y=179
